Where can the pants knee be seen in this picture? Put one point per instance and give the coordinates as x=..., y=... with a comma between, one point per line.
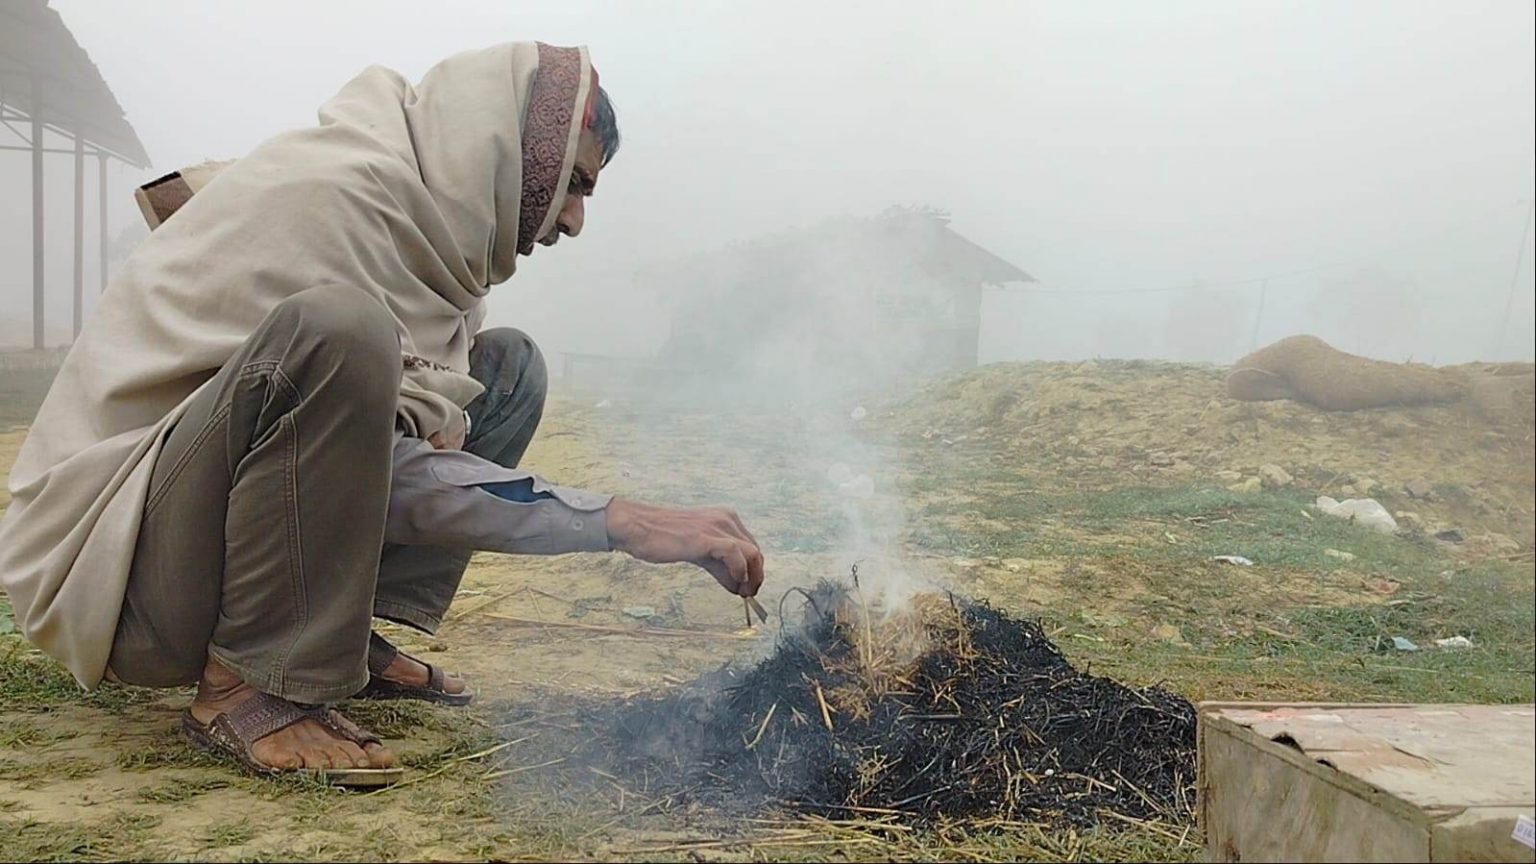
x=508, y=360
x=341, y=318
x=342, y=335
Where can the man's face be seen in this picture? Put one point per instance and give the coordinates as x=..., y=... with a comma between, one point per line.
x=583, y=180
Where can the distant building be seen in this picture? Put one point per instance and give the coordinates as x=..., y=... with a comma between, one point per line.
x=54, y=107
x=867, y=300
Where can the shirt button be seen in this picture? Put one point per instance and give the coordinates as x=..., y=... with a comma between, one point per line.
x=577, y=524
x=575, y=500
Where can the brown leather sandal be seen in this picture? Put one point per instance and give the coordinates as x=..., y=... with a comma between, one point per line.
x=381, y=653
x=234, y=732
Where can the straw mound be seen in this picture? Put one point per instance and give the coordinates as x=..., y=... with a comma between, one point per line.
x=945, y=709
x=1307, y=369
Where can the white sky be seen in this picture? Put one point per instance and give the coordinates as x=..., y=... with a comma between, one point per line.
x=1098, y=145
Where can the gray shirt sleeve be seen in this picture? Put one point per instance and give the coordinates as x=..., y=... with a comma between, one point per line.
x=438, y=498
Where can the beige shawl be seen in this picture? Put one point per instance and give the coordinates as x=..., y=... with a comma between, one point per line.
x=419, y=197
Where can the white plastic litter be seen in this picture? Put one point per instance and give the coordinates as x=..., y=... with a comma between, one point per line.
x=1365, y=512
x=1525, y=831
x=1234, y=559
x=1402, y=644
x=1454, y=642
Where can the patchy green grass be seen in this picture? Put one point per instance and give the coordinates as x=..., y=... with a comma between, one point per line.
x=399, y=718
x=30, y=682
x=1009, y=521
x=111, y=838
x=182, y=789
x=45, y=768
x=1277, y=639
x=26, y=733
x=167, y=751
x=31, y=840
x=231, y=834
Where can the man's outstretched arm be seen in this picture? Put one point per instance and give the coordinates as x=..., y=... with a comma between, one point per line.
x=444, y=497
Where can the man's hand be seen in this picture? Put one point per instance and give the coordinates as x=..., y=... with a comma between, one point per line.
x=452, y=438
x=711, y=537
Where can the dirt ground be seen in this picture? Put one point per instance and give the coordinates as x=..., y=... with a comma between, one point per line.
x=1093, y=496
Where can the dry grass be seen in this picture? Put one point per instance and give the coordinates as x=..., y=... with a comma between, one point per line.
x=889, y=640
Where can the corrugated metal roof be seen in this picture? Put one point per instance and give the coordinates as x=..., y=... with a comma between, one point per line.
x=44, y=70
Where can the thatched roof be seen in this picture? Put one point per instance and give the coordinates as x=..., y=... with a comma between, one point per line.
x=45, y=73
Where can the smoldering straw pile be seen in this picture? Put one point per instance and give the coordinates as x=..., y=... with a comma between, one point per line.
x=944, y=709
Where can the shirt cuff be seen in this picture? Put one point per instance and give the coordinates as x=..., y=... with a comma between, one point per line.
x=444, y=498
x=583, y=525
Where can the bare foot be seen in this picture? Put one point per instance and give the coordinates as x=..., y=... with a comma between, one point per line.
x=306, y=744
x=412, y=672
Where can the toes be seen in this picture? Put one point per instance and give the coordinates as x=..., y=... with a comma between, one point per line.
x=279, y=754
x=311, y=746
x=315, y=757
x=350, y=755
x=287, y=760
x=379, y=756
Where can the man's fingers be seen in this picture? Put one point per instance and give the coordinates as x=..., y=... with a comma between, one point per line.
x=754, y=572
x=735, y=561
x=721, y=574
x=754, y=556
x=743, y=563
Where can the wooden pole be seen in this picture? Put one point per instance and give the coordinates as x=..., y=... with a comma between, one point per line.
x=37, y=222
x=1258, y=318
x=1514, y=280
x=79, y=298
x=101, y=187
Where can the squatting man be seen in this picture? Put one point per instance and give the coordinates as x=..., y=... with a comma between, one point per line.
x=284, y=419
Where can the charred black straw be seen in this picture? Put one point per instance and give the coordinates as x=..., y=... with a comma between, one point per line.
x=988, y=721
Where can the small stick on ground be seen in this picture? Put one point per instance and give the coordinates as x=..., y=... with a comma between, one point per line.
x=460, y=612
x=617, y=631
x=455, y=761
x=492, y=775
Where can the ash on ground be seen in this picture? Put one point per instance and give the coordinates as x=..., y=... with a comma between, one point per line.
x=943, y=709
